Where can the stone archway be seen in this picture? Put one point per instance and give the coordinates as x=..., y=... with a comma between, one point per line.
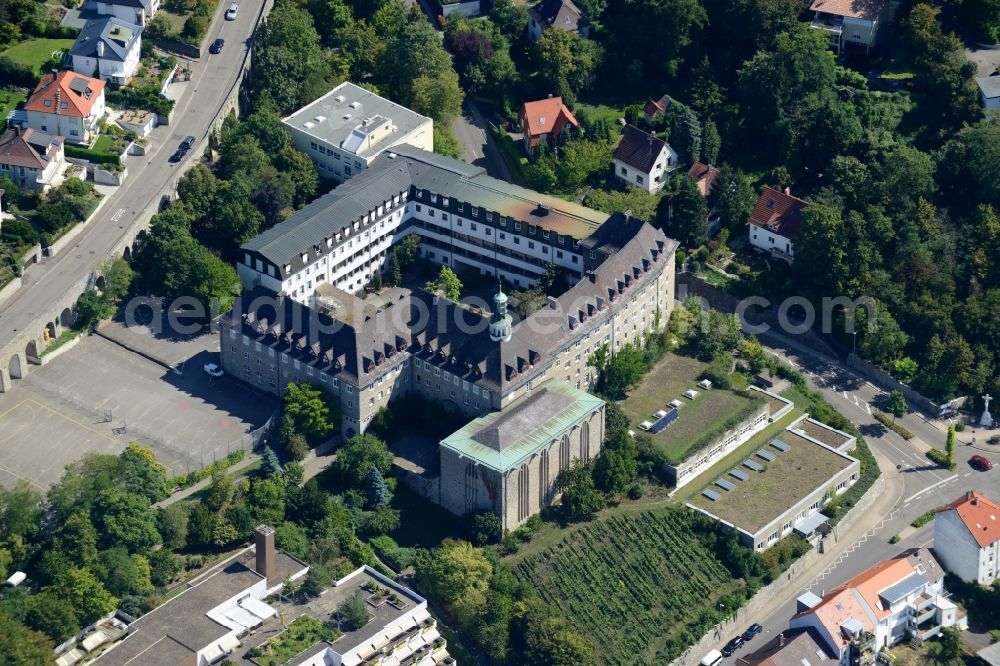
x=127, y=254
x=31, y=349
x=48, y=335
x=66, y=318
x=100, y=283
x=14, y=367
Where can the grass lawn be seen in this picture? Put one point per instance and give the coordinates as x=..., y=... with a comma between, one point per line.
x=646, y=570
x=595, y=112
x=105, y=144
x=9, y=99
x=36, y=52
x=64, y=337
x=671, y=377
x=303, y=633
x=792, y=475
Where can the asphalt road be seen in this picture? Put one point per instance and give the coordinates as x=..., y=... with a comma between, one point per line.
x=472, y=131
x=150, y=175
x=925, y=486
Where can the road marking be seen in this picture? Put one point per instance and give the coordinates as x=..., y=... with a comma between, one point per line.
x=869, y=408
x=118, y=215
x=855, y=546
x=931, y=487
x=846, y=397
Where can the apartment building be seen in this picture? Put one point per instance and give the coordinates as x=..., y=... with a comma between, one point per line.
x=346, y=129
x=967, y=538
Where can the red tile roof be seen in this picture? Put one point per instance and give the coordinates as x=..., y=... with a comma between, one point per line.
x=704, y=175
x=980, y=515
x=655, y=106
x=78, y=92
x=778, y=212
x=546, y=116
x=28, y=148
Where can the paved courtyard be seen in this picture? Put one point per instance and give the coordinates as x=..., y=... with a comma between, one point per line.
x=58, y=411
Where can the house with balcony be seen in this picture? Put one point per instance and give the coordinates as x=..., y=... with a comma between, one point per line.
x=849, y=23
x=967, y=538
x=107, y=48
x=66, y=104
x=32, y=159
x=642, y=160
x=899, y=598
x=775, y=221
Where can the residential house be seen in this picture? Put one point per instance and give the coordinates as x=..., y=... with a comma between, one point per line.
x=775, y=221
x=849, y=22
x=791, y=648
x=967, y=538
x=704, y=176
x=67, y=104
x=346, y=129
x=30, y=158
x=655, y=106
x=562, y=14
x=545, y=120
x=108, y=49
x=878, y=608
x=137, y=12
x=989, y=92
x=642, y=160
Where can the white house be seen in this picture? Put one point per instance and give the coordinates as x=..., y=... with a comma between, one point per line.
x=138, y=12
x=849, y=22
x=67, y=104
x=775, y=221
x=107, y=48
x=642, y=160
x=967, y=538
x=30, y=158
x=346, y=129
x=989, y=92
x=880, y=607
x=561, y=14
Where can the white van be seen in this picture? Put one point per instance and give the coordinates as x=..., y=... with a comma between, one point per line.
x=713, y=658
x=232, y=11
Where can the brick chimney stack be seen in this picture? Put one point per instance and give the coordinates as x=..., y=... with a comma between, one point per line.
x=266, y=557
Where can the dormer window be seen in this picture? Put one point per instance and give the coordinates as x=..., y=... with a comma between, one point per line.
x=305, y=256
x=475, y=211
x=434, y=198
x=489, y=216
x=541, y=120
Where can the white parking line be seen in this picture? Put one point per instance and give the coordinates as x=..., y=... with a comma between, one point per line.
x=118, y=215
x=931, y=487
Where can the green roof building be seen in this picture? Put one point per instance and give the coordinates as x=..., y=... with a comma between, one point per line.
x=508, y=461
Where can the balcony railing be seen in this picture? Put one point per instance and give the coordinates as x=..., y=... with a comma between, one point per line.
x=828, y=22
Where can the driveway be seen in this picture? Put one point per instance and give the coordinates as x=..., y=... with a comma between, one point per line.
x=478, y=143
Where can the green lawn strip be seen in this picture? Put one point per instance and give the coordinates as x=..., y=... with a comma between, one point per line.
x=514, y=157
x=64, y=337
x=36, y=52
x=303, y=633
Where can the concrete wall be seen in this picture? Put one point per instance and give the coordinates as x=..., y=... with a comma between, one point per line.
x=785, y=586
x=887, y=382
x=469, y=8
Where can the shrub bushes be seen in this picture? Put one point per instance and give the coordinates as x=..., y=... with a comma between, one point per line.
x=924, y=518
x=941, y=458
x=887, y=421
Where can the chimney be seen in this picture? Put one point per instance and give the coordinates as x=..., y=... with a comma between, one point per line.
x=58, y=99
x=100, y=49
x=781, y=639
x=264, y=545
x=788, y=191
x=552, y=303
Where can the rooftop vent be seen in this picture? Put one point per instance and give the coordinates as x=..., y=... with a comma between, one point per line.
x=319, y=119
x=340, y=99
x=355, y=105
x=346, y=116
x=309, y=124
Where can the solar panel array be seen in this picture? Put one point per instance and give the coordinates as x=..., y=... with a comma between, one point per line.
x=725, y=485
x=711, y=494
x=780, y=445
x=665, y=421
x=766, y=455
x=739, y=474
x=754, y=465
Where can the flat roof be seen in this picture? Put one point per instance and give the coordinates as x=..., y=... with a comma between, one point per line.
x=171, y=632
x=822, y=432
x=793, y=475
x=500, y=440
x=989, y=86
x=335, y=118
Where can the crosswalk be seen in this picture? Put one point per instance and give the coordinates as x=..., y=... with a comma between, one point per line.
x=855, y=546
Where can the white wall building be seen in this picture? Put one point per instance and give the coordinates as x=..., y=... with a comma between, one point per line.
x=347, y=128
x=775, y=221
x=132, y=11
x=967, y=538
x=107, y=48
x=642, y=160
x=67, y=104
x=849, y=22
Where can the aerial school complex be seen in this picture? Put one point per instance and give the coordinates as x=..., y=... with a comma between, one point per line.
x=522, y=385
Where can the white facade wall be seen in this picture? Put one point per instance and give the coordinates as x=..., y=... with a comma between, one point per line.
x=960, y=553
x=768, y=240
x=34, y=179
x=110, y=70
x=336, y=163
x=652, y=180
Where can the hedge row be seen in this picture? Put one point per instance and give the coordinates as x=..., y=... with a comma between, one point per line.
x=79, y=152
x=888, y=422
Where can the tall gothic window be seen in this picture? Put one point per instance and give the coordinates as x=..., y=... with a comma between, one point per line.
x=471, y=487
x=564, y=458
x=543, y=478
x=523, y=493
x=585, y=441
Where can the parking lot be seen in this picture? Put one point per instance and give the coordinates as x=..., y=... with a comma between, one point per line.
x=60, y=411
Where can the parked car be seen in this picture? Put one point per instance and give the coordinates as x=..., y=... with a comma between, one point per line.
x=981, y=463
x=217, y=45
x=732, y=646
x=187, y=142
x=212, y=370
x=752, y=631
x=232, y=11
x=178, y=155
x=713, y=658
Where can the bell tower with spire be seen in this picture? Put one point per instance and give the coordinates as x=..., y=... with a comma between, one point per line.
x=500, y=322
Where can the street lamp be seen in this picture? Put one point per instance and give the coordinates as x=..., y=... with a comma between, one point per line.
x=854, y=346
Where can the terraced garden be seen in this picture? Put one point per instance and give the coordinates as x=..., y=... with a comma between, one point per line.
x=642, y=584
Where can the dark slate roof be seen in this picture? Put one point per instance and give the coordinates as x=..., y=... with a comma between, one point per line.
x=117, y=35
x=138, y=4
x=639, y=149
x=560, y=13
